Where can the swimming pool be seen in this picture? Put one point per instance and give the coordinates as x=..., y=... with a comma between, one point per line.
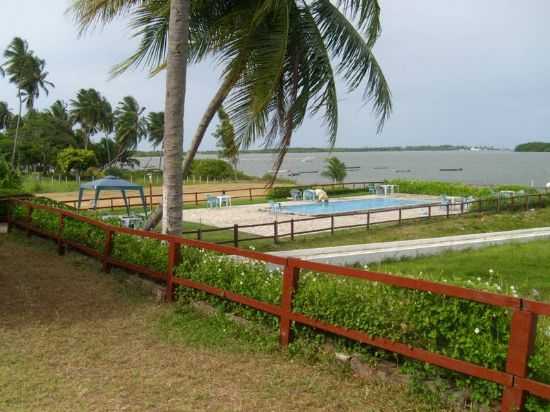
x=346, y=206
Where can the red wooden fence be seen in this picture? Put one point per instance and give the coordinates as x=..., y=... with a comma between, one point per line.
x=522, y=329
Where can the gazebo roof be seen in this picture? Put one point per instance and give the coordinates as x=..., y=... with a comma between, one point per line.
x=111, y=183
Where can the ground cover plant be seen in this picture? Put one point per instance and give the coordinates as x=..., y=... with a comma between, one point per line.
x=453, y=327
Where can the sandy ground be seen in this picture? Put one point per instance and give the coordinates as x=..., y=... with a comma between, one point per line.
x=237, y=189
x=261, y=214
x=74, y=339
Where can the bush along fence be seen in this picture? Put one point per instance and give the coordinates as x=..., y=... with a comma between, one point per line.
x=290, y=228
x=197, y=198
x=484, y=340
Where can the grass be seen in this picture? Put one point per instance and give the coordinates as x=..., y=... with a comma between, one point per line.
x=436, y=227
x=76, y=339
x=518, y=265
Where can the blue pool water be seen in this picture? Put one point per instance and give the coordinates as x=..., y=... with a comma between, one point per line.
x=344, y=206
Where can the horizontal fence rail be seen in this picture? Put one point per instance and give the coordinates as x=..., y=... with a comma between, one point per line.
x=369, y=218
x=522, y=326
x=199, y=197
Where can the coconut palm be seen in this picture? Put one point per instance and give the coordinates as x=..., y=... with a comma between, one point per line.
x=335, y=169
x=91, y=12
x=92, y=112
x=6, y=116
x=155, y=130
x=225, y=136
x=35, y=82
x=130, y=125
x=26, y=72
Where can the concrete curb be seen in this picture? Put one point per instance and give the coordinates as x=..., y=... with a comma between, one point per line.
x=377, y=252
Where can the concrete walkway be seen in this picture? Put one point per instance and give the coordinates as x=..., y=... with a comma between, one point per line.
x=377, y=252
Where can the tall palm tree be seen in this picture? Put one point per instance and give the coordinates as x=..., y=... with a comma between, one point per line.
x=35, y=82
x=155, y=130
x=26, y=72
x=91, y=12
x=281, y=60
x=130, y=125
x=92, y=112
x=5, y=116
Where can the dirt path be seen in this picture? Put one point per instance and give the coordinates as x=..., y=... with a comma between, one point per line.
x=74, y=339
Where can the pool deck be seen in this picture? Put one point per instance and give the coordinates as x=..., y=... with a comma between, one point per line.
x=260, y=214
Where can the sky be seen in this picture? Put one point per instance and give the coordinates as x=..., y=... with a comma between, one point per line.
x=461, y=72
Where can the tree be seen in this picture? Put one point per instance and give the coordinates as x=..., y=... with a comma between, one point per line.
x=92, y=112
x=280, y=63
x=9, y=177
x=225, y=136
x=59, y=113
x=72, y=159
x=130, y=126
x=6, y=116
x=26, y=72
x=155, y=130
x=335, y=169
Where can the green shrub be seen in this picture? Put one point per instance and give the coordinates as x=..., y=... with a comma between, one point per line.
x=149, y=253
x=453, y=327
x=438, y=188
x=215, y=169
x=9, y=178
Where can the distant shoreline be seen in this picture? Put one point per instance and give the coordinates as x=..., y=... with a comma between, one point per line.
x=425, y=148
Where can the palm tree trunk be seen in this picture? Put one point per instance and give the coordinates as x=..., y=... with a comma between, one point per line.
x=176, y=71
x=17, y=129
x=213, y=107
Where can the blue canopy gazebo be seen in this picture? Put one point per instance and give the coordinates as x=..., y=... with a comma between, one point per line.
x=112, y=183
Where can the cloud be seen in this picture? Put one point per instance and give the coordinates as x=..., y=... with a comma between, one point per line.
x=464, y=72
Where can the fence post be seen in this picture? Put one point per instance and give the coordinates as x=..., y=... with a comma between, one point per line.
x=368, y=219
x=520, y=346
x=448, y=209
x=199, y=234
x=400, y=215
x=107, y=248
x=60, y=244
x=291, y=228
x=236, y=235
x=29, y=219
x=462, y=207
x=332, y=224
x=250, y=193
x=290, y=283
x=174, y=258
x=275, y=232
x=196, y=198
x=429, y=211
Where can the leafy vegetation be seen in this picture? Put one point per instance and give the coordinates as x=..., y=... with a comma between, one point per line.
x=533, y=147
x=335, y=169
x=214, y=168
x=453, y=327
x=9, y=178
x=438, y=188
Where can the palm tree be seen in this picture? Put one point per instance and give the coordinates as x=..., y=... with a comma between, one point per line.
x=26, y=72
x=155, y=129
x=92, y=112
x=130, y=125
x=90, y=12
x=281, y=59
x=225, y=135
x=335, y=169
x=5, y=116
x=36, y=81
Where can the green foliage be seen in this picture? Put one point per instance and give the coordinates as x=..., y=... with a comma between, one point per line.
x=438, y=188
x=77, y=159
x=9, y=177
x=225, y=136
x=150, y=253
x=533, y=147
x=212, y=168
x=453, y=327
x=335, y=169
